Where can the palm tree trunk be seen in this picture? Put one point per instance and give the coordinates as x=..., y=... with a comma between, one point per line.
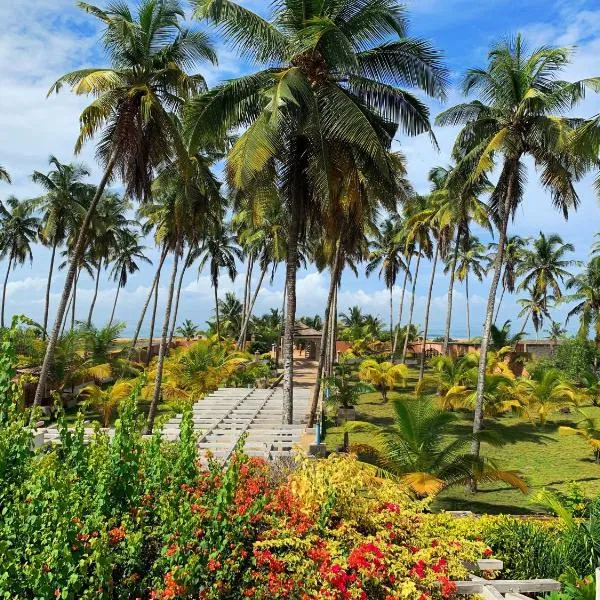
x=324, y=336
x=468, y=306
x=177, y=297
x=216, y=289
x=242, y=339
x=152, y=324
x=395, y=345
x=511, y=166
x=89, y=320
x=290, y=316
x=450, y=292
x=332, y=336
x=412, y=306
x=67, y=312
x=525, y=322
x=391, y=313
x=248, y=285
x=77, y=254
x=48, y=285
x=427, y=309
x=112, y=314
x=74, y=300
x=10, y=260
x=138, y=328
x=500, y=302
x=279, y=353
x=163, y=347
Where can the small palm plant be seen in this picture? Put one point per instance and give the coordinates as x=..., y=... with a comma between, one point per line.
x=106, y=402
x=384, y=376
x=188, y=330
x=424, y=452
x=589, y=429
x=544, y=394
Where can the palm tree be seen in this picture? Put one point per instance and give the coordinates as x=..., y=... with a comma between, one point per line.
x=555, y=332
x=188, y=330
x=230, y=313
x=126, y=259
x=4, y=175
x=472, y=258
x=501, y=337
x=382, y=376
x=534, y=307
x=585, y=289
x=589, y=429
x=106, y=401
x=425, y=453
x=18, y=230
x=353, y=317
x=514, y=252
x=514, y=121
x=544, y=266
x=328, y=84
x=136, y=97
x=62, y=210
x=386, y=254
x=219, y=251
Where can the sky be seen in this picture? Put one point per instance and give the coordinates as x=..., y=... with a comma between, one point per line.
x=43, y=39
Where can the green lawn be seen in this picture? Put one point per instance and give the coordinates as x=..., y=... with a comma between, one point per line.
x=544, y=457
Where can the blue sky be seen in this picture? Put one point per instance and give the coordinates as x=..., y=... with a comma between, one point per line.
x=41, y=39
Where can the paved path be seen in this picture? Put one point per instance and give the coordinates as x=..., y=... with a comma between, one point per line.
x=305, y=373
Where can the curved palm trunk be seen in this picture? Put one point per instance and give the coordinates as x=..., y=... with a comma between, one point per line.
x=74, y=300
x=152, y=324
x=243, y=332
x=77, y=254
x=177, y=298
x=112, y=314
x=450, y=292
x=400, y=309
x=48, y=285
x=89, y=320
x=248, y=286
x=216, y=290
x=138, y=328
x=468, y=306
x=427, y=309
x=412, y=306
x=64, y=324
x=500, y=302
x=324, y=336
x=391, y=313
x=511, y=168
x=162, y=349
x=333, y=330
x=525, y=323
x=10, y=260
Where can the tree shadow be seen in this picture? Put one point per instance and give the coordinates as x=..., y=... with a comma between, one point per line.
x=480, y=506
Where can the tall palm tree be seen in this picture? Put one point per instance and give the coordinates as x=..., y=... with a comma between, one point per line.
x=535, y=307
x=544, y=266
x=585, y=290
x=514, y=252
x=387, y=255
x=62, y=210
x=145, y=83
x=472, y=258
x=331, y=79
x=125, y=260
x=18, y=230
x=519, y=113
x=219, y=251
x=4, y=175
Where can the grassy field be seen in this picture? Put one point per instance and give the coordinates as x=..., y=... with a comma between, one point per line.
x=545, y=458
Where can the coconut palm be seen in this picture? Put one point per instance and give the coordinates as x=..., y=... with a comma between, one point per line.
x=534, y=307
x=555, y=332
x=585, y=290
x=4, y=175
x=353, y=317
x=188, y=330
x=230, y=313
x=384, y=376
x=136, y=96
x=387, y=255
x=125, y=260
x=331, y=82
x=500, y=337
x=106, y=401
x=425, y=453
x=514, y=252
x=589, y=429
x=472, y=259
x=18, y=230
x=219, y=251
x=543, y=394
x=544, y=266
x=519, y=113
x=61, y=210
x=447, y=373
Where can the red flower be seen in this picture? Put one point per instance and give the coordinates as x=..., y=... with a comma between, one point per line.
x=213, y=564
x=448, y=587
x=116, y=535
x=440, y=566
x=419, y=569
x=487, y=552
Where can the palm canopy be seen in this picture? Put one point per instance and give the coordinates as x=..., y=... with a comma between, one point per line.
x=219, y=251
x=513, y=256
x=585, y=291
x=18, y=230
x=147, y=80
x=535, y=307
x=422, y=454
x=472, y=259
x=126, y=258
x=4, y=175
x=545, y=266
x=387, y=253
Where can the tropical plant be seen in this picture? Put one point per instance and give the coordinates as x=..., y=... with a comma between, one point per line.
x=328, y=94
x=447, y=373
x=383, y=376
x=423, y=455
x=107, y=401
x=534, y=307
x=514, y=121
x=555, y=332
x=500, y=337
x=541, y=396
x=585, y=290
x=18, y=230
x=230, y=313
x=589, y=429
x=188, y=330
x=136, y=98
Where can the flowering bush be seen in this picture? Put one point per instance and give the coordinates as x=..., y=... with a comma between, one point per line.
x=125, y=517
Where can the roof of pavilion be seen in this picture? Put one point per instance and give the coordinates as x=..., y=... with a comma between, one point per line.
x=301, y=329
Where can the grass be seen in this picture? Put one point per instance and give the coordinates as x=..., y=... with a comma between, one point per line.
x=544, y=457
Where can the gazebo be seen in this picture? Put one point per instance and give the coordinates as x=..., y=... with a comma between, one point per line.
x=306, y=338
